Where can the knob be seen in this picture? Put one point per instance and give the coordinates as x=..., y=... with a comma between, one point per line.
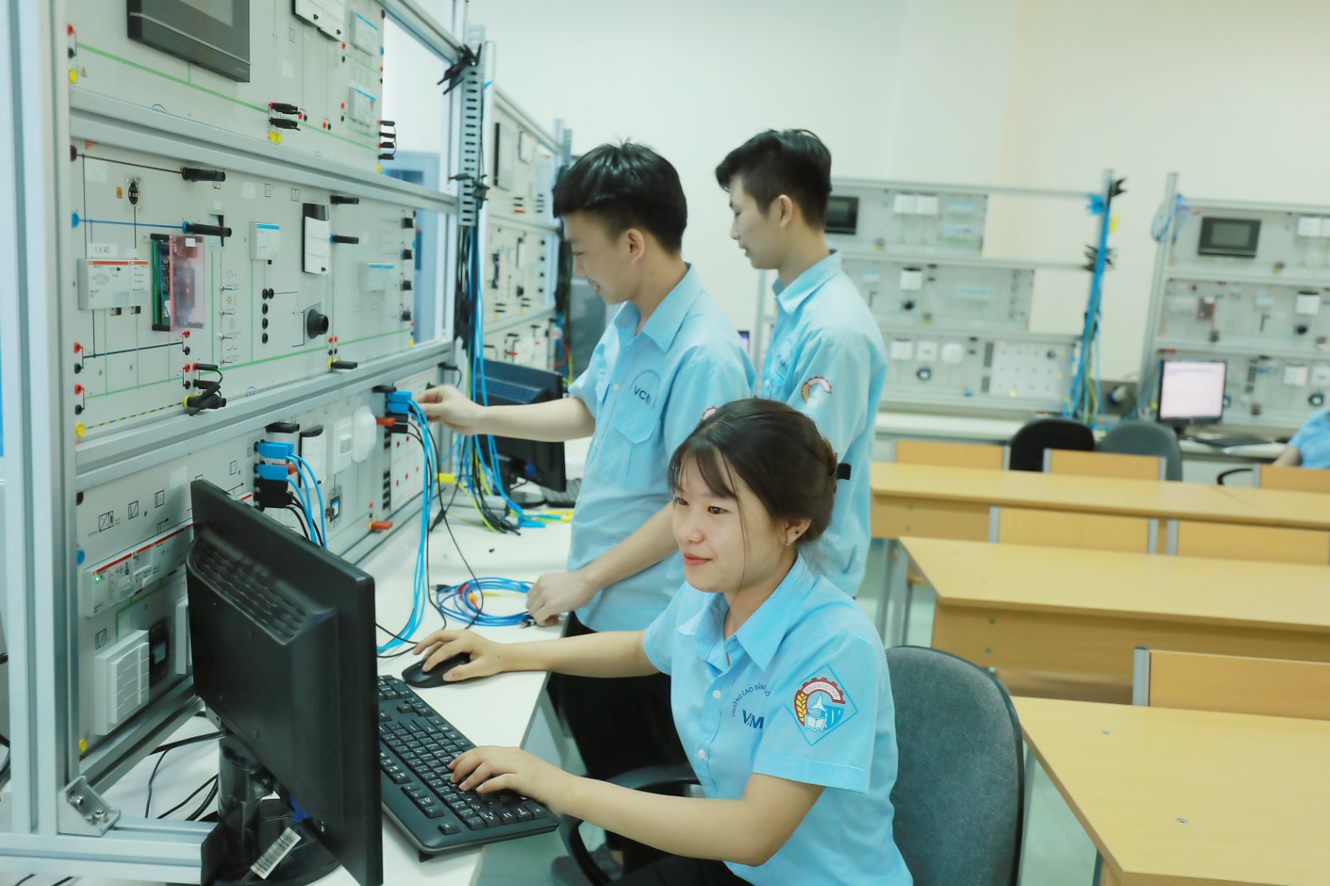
x=316, y=323
x=924, y=373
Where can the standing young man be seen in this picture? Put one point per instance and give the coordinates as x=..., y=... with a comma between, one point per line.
x=668, y=356
x=826, y=357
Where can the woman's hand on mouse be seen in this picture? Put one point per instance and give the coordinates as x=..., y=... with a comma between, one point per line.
x=487, y=656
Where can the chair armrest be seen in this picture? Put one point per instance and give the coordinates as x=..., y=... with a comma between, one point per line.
x=643, y=779
x=1230, y=473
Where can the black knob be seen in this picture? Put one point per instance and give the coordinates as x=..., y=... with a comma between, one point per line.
x=907, y=305
x=924, y=373
x=1317, y=400
x=316, y=323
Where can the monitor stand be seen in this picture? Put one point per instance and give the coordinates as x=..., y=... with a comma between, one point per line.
x=250, y=821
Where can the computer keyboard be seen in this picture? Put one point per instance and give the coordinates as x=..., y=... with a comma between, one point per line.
x=415, y=747
x=565, y=499
x=1232, y=440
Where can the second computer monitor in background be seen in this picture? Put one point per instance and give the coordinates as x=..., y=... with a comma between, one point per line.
x=507, y=384
x=1191, y=391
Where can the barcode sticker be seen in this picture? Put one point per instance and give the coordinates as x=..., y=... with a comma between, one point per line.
x=279, y=850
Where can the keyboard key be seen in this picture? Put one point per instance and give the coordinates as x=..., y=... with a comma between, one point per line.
x=448, y=829
x=536, y=810
x=491, y=820
x=474, y=822
x=507, y=817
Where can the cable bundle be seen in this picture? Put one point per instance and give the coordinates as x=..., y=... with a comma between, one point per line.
x=466, y=601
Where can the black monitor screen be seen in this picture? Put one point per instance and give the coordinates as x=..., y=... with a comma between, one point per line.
x=212, y=34
x=1229, y=236
x=507, y=384
x=842, y=214
x=282, y=638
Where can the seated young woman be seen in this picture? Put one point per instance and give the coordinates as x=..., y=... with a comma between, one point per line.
x=780, y=691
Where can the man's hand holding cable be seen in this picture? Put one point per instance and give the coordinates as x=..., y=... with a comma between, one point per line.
x=558, y=592
x=448, y=405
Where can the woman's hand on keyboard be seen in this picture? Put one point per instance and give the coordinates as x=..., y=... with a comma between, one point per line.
x=490, y=769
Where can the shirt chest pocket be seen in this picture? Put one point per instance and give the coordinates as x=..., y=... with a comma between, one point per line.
x=634, y=423
x=776, y=376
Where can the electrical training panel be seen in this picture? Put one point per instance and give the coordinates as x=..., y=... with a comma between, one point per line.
x=519, y=265
x=956, y=323
x=305, y=75
x=221, y=291
x=1249, y=284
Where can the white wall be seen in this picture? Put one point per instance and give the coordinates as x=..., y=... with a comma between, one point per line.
x=1229, y=93
x=949, y=94
x=694, y=79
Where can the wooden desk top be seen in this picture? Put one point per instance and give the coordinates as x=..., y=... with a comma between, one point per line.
x=1280, y=507
x=1065, y=492
x=1196, y=590
x=1172, y=796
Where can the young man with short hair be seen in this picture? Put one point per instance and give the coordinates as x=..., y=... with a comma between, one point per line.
x=826, y=356
x=668, y=356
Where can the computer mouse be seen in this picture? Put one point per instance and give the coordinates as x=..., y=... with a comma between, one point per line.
x=419, y=679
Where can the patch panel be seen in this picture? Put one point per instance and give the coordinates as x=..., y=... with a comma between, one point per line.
x=311, y=85
x=265, y=281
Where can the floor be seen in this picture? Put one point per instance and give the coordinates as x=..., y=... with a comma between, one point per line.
x=1057, y=851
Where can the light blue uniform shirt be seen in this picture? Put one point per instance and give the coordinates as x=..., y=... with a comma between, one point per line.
x=827, y=359
x=1313, y=440
x=804, y=696
x=647, y=391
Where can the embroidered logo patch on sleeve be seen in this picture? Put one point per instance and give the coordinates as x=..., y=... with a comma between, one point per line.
x=821, y=705
x=815, y=389
x=707, y=413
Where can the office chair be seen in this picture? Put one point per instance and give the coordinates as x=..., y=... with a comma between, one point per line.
x=1026, y=449
x=1135, y=437
x=959, y=796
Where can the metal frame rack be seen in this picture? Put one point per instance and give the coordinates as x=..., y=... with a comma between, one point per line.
x=54, y=818
x=908, y=242
x=1260, y=302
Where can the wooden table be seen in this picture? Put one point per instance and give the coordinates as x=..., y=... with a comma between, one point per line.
x=939, y=502
x=1063, y=622
x=1194, y=797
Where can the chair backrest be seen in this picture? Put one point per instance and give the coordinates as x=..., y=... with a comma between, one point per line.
x=1232, y=683
x=1136, y=437
x=1292, y=479
x=1028, y=444
x=1189, y=538
x=1104, y=464
x=1069, y=529
x=958, y=792
x=951, y=455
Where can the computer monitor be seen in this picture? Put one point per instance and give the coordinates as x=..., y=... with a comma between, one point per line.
x=282, y=638
x=507, y=384
x=1191, y=391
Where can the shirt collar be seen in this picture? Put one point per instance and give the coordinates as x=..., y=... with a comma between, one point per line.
x=762, y=634
x=663, y=324
x=790, y=297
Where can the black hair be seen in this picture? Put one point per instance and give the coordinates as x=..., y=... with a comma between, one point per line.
x=626, y=186
x=793, y=162
x=775, y=450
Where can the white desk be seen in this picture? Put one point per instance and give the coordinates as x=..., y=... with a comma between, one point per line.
x=495, y=710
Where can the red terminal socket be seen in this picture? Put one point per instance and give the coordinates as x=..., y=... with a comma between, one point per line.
x=385, y=422
x=380, y=525
x=78, y=348
x=78, y=389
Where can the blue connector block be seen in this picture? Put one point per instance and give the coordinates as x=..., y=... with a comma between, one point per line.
x=399, y=402
x=272, y=472
x=274, y=450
